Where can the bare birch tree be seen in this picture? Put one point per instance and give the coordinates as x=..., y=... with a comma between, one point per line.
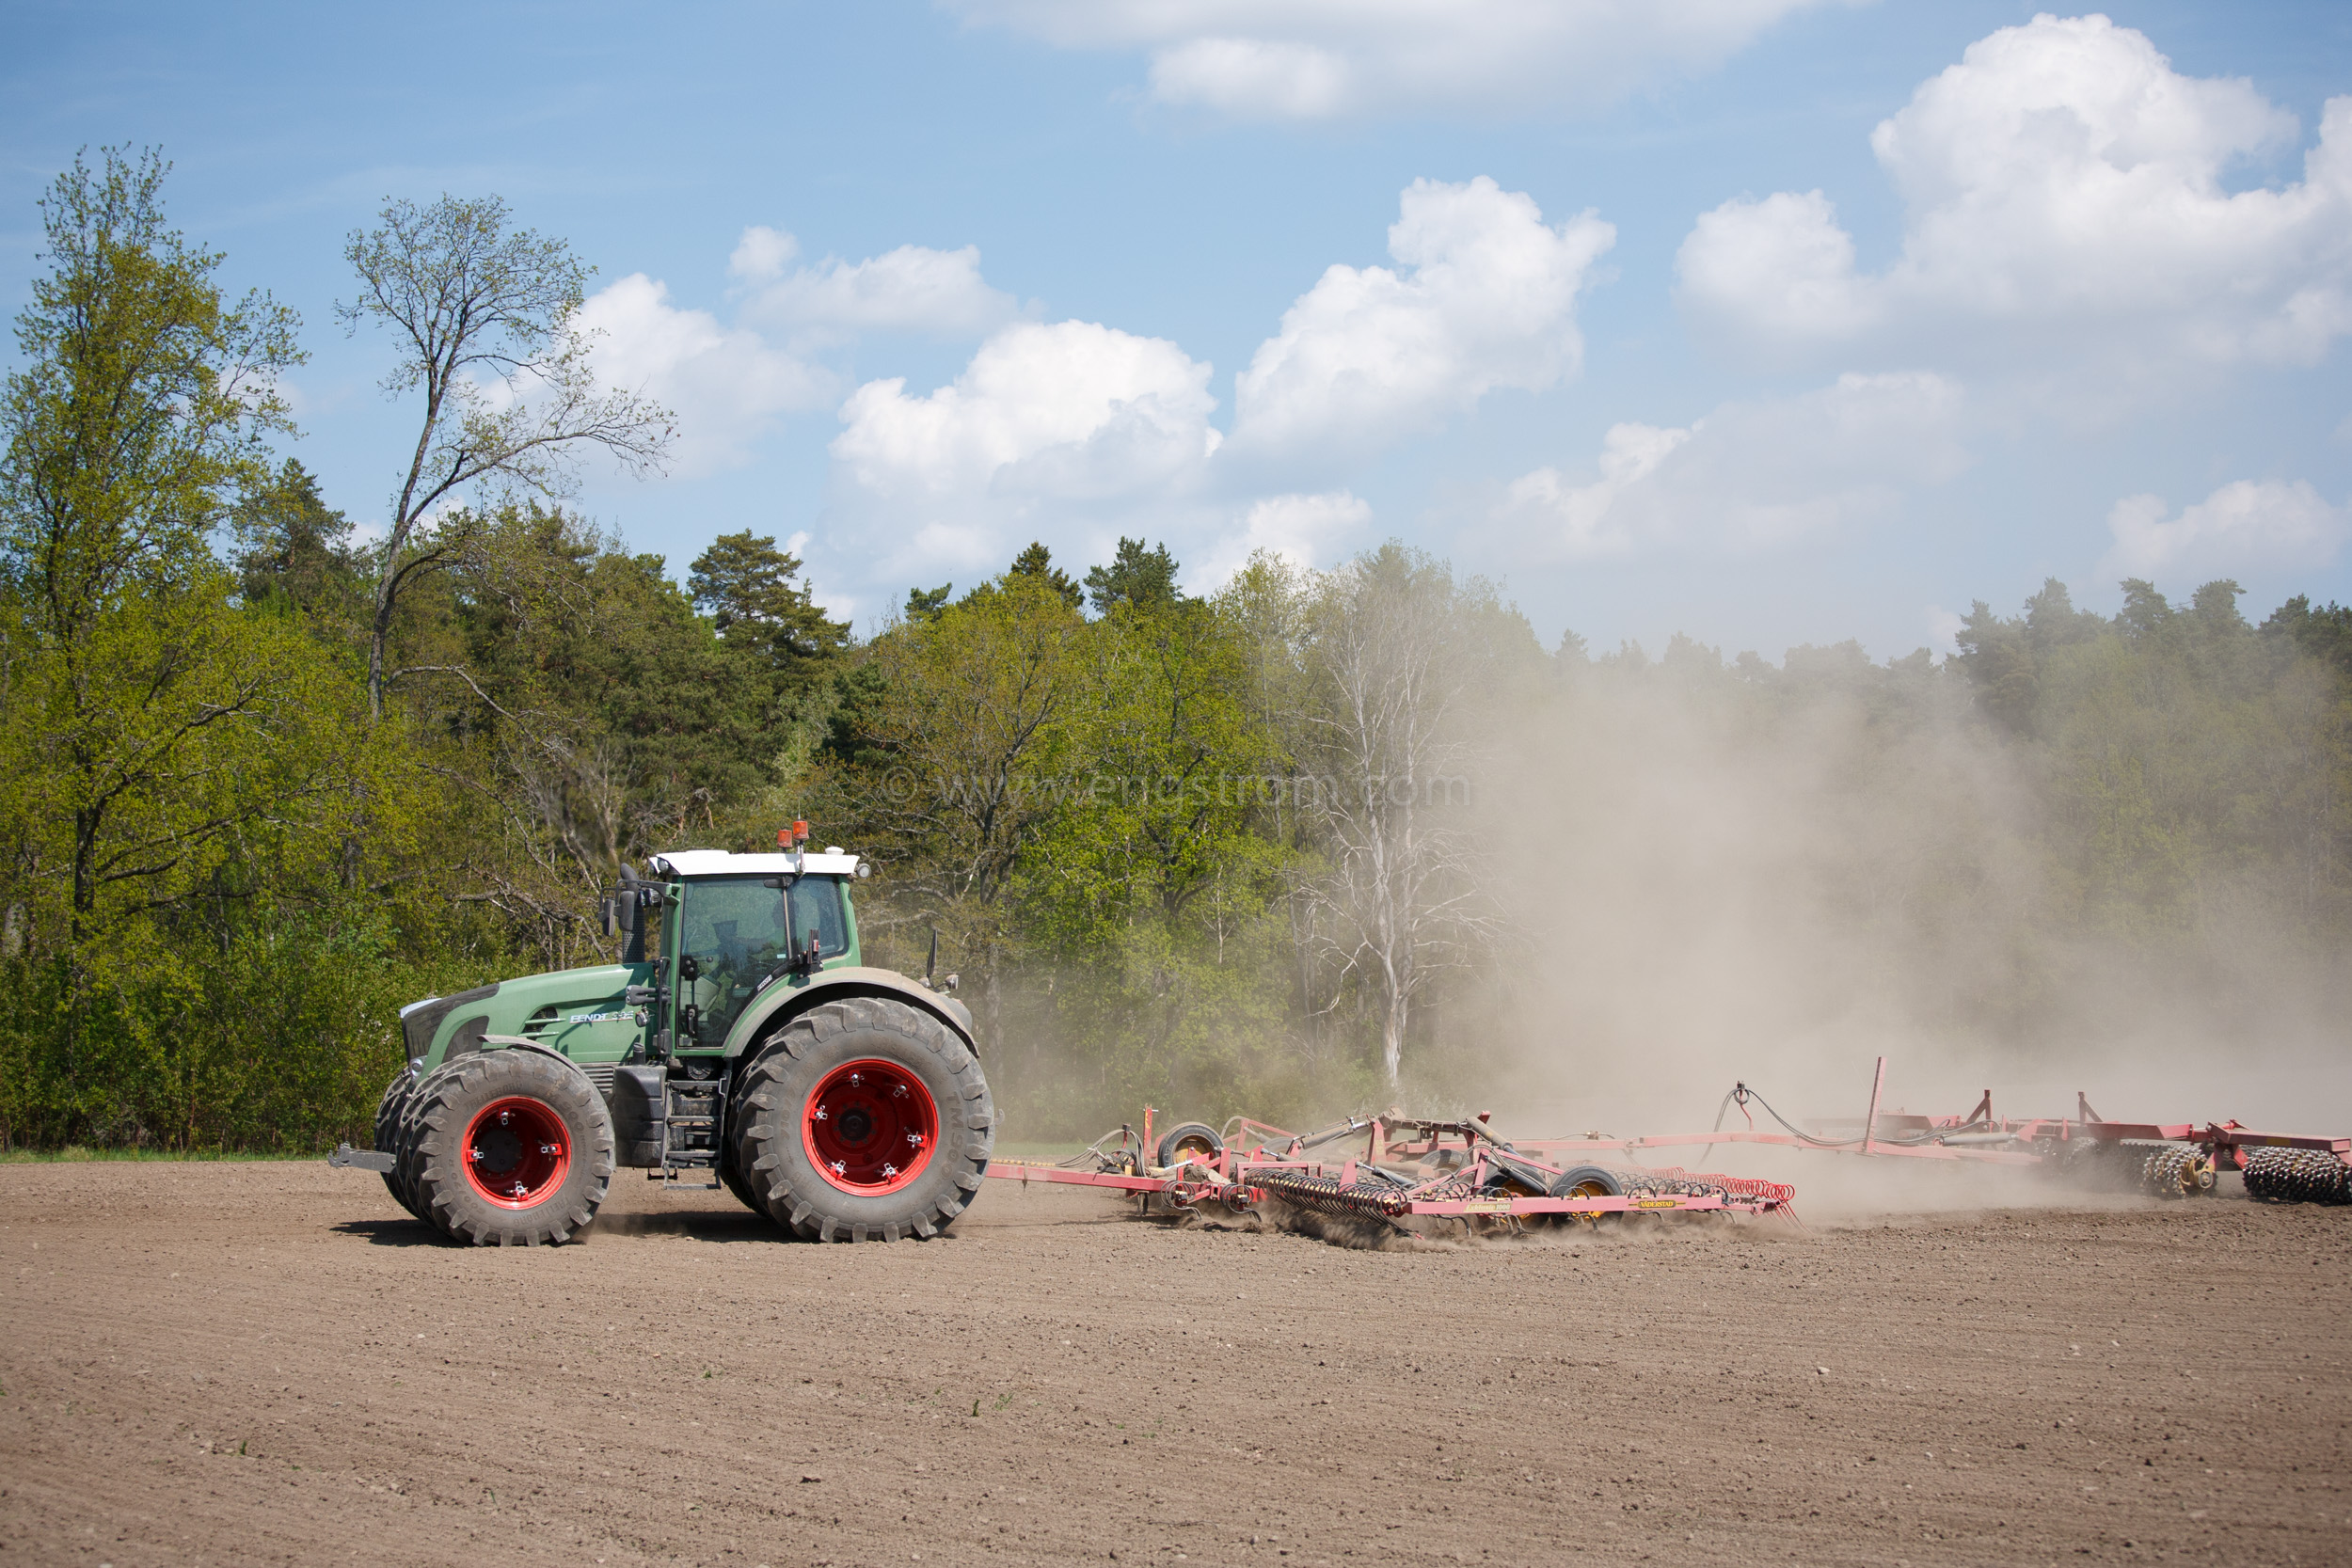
x=486, y=322
x=1397, y=653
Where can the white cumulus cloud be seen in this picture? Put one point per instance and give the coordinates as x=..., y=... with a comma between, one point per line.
x=1305, y=530
x=2064, y=191
x=2245, y=526
x=1484, y=297
x=1750, y=476
x=762, y=253
x=725, y=384
x=912, y=289
x=1044, y=417
x=1319, y=59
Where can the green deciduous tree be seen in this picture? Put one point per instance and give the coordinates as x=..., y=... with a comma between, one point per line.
x=137, y=416
x=964, y=720
x=165, y=747
x=1156, y=871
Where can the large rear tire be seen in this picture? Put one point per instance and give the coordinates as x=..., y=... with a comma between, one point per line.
x=735, y=1183
x=866, y=1119
x=509, y=1147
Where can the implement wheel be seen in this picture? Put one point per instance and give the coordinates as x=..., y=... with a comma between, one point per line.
x=510, y=1147
x=1590, y=1181
x=1194, y=1140
x=865, y=1120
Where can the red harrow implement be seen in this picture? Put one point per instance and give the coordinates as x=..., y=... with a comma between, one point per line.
x=2167, y=1159
x=1407, y=1169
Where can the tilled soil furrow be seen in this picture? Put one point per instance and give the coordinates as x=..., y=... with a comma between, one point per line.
x=272, y=1363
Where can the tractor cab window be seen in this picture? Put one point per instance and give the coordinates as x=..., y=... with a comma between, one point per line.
x=734, y=928
x=817, y=913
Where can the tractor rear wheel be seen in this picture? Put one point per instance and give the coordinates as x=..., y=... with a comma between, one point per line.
x=734, y=1182
x=509, y=1147
x=866, y=1119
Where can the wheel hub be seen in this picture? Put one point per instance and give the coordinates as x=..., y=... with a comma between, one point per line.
x=517, y=1152
x=870, y=1127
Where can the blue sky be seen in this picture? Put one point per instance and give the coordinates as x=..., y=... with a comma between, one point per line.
x=1545, y=289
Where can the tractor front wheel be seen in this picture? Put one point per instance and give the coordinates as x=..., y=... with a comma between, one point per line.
x=865, y=1120
x=390, y=1112
x=509, y=1147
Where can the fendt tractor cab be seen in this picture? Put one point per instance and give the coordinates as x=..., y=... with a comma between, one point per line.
x=740, y=1041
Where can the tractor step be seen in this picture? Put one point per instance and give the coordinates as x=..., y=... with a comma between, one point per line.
x=689, y=1134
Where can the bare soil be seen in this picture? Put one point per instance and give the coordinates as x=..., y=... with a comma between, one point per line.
x=271, y=1363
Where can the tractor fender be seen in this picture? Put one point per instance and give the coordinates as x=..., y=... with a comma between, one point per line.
x=782, y=1002
x=523, y=1042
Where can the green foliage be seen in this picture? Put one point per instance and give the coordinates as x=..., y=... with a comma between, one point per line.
x=175, y=764
x=293, y=554
x=1138, y=577
x=577, y=714
x=141, y=406
x=1038, y=561
x=745, y=584
x=924, y=602
x=1153, y=875
x=2324, y=634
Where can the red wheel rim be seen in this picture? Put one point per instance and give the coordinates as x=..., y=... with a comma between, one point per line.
x=870, y=1127
x=517, y=1151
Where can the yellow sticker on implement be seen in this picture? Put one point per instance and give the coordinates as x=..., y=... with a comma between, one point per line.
x=1656, y=1203
x=1486, y=1206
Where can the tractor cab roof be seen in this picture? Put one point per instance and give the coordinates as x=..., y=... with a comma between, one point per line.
x=718, y=862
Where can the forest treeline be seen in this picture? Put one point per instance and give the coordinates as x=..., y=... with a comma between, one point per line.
x=266, y=781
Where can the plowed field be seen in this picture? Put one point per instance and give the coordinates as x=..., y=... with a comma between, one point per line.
x=269, y=1363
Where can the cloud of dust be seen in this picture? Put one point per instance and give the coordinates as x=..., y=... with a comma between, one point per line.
x=1715, y=888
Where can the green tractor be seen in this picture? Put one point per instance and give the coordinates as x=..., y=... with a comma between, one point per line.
x=740, y=1042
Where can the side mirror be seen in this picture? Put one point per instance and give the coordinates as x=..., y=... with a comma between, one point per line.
x=604, y=916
